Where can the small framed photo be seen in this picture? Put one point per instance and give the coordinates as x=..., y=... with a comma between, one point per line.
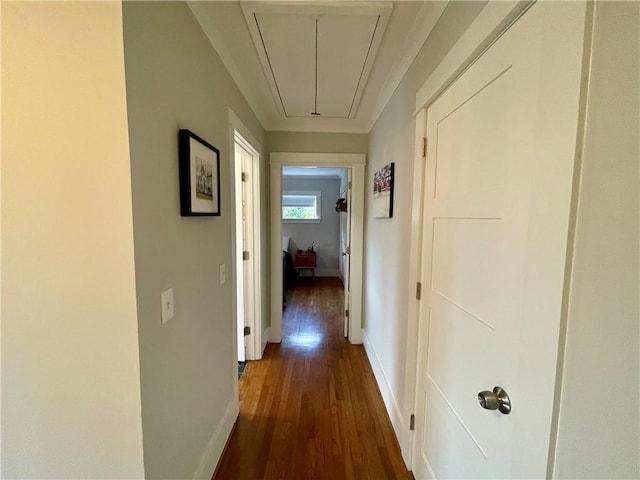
x=199, y=176
x=383, y=192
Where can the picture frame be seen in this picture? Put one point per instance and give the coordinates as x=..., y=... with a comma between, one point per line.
x=383, y=192
x=199, y=171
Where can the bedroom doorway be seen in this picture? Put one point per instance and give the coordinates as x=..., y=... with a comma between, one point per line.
x=327, y=240
x=315, y=227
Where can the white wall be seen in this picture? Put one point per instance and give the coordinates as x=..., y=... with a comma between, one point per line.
x=70, y=372
x=176, y=80
x=387, y=240
x=326, y=233
x=599, y=424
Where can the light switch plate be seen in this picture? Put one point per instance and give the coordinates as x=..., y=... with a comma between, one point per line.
x=166, y=300
x=223, y=273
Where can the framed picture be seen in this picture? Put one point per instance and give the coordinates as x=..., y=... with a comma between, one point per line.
x=383, y=192
x=199, y=176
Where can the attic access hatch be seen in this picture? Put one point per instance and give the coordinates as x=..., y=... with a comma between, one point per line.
x=317, y=57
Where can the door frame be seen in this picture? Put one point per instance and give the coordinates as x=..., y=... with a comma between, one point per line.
x=354, y=161
x=345, y=255
x=492, y=22
x=236, y=125
x=251, y=297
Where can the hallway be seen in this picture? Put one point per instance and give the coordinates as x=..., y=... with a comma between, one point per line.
x=311, y=408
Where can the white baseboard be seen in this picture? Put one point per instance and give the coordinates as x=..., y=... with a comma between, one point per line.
x=390, y=402
x=216, y=445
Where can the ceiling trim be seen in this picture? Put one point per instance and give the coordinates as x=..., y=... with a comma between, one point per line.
x=218, y=42
x=426, y=20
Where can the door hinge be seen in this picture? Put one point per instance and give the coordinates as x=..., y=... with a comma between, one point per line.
x=349, y=185
x=245, y=255
x=346, y=313
x=412, y=422
x=247, y=331
x=245, y=176
x=348, y=250
x=424, y=147
x=418, y=290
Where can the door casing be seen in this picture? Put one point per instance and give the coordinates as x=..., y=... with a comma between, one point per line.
x=248, y=271
x=236, y=125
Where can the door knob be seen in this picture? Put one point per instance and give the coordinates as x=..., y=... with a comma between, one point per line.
x=495, y=400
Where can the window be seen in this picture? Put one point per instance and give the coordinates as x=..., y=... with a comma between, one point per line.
x=301, y=207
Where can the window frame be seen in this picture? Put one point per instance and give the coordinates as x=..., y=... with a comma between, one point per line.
x=309, y=193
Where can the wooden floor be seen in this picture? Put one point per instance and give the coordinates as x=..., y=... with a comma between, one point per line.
x=311, y=408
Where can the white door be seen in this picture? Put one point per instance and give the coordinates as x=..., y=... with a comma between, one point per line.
x=239, y=263
x=346, y=255
x=500, y=157
x=246, y=261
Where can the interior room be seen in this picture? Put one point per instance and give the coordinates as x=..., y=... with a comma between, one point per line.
x=311, y=222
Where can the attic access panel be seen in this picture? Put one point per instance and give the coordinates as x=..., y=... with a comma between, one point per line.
x=317, y=59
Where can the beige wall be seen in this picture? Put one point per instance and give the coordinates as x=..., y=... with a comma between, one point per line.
x=387, y=240
x=599, y=425
x=309, y=142
x=176, y=80
x=70, y=372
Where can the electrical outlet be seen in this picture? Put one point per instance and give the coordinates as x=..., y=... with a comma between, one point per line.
x=166, y=300
x=223, y=273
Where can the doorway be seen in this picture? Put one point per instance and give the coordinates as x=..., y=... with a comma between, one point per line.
x=247, y=254
x=354, y=163
x=315, y=227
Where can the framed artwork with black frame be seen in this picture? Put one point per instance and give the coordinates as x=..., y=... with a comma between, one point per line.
x=199, y=176
x=383, y=192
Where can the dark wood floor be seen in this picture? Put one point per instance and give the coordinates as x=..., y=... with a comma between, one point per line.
x=311, y=408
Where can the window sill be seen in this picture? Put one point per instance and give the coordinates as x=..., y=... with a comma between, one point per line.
x=305, y=220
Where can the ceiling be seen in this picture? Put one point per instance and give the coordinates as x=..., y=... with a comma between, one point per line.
x=316, y=59
x=317, y=66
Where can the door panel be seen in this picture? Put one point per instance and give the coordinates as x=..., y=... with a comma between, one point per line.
x=483, y=259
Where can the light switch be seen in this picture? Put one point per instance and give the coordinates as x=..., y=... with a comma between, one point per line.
x=223, y=273
x=166, y=299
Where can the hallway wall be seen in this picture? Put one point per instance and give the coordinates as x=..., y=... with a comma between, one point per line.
x=314, y=142
x=70, y=367
x=175, y=79
x=596, y=439
x=387, y=240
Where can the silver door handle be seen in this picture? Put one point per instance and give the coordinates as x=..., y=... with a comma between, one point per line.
x=495, y=400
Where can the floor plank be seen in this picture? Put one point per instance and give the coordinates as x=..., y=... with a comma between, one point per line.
x=310, y=409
